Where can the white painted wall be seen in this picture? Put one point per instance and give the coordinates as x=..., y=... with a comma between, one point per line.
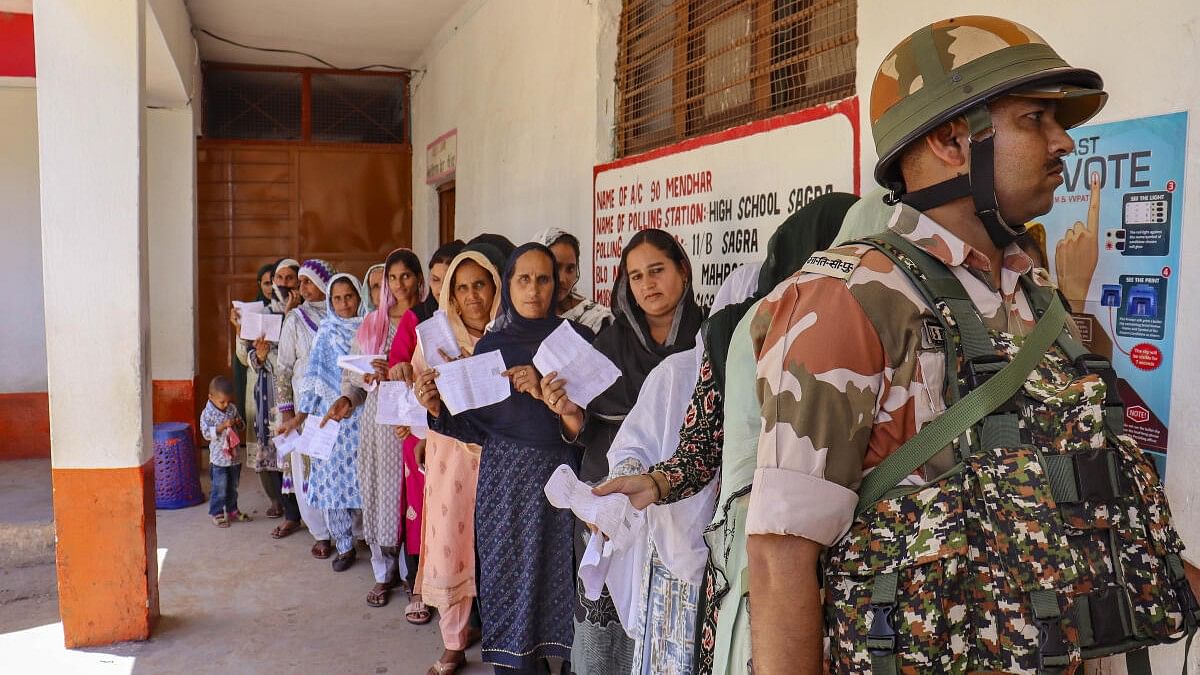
x=22, y=342
x=171, y=54
x=171, y=225
x=521, y=81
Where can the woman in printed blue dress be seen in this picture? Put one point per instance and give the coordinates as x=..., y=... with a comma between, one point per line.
x=333, y=483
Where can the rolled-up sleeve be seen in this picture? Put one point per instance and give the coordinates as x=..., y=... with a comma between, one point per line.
x=820, y=369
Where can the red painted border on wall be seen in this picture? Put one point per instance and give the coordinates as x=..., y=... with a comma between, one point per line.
x=24, y=425
x=16, y=45
x=175, y=401
x=25, y=417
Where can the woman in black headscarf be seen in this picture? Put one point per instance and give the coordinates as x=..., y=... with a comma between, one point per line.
x=656, y=316
x=526, y=576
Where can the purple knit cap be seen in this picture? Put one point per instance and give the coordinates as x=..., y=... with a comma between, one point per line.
x=318, y=271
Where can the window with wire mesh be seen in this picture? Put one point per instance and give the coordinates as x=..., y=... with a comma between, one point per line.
x=241, y=102
x=690, y=67
x=250, y=104
x=358, y=108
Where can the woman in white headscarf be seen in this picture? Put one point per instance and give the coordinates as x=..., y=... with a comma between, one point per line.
x=372, y=282
x=295, y=342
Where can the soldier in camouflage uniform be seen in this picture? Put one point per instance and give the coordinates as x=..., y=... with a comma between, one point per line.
x=984, y=558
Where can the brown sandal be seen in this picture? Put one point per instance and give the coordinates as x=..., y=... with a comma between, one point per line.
x=379, y=595
x=417, y=613
x=322, y=549
x=287, y=528
x=445, y=668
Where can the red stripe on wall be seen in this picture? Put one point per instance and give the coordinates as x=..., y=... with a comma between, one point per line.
x=25, y=417
x=16, y=45
x=24, y=425
x=175, y=401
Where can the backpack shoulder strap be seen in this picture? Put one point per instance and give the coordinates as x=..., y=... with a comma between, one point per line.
x=942, y=290
x=964, y=414
x=957, y=313
x=948, y=300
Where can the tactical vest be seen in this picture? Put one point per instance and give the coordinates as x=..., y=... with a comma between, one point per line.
x=1049, y=541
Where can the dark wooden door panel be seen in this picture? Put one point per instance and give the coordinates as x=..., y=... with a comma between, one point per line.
x=258, y=202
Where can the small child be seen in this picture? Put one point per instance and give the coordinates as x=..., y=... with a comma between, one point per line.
x=219, y=424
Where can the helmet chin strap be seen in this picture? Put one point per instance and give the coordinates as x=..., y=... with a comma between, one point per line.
x=979, y=183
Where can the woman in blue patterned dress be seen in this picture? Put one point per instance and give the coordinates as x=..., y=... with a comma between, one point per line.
x=333, y=483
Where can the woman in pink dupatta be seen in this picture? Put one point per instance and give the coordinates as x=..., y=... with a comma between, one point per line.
x=389, y=481
x=446, y=578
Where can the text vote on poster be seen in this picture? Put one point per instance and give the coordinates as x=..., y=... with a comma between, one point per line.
x=722, y=196
x=1113, y=242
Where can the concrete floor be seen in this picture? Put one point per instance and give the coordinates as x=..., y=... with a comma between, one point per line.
x=233, y=600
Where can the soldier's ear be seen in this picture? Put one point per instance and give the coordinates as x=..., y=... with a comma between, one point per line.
x=949, y=144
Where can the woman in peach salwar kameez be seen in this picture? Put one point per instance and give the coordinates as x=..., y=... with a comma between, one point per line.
x=446, y=576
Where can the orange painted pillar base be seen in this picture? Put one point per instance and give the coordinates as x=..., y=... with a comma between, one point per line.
x=107, y=554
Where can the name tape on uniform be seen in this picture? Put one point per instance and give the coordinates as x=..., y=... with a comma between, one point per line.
x=833, y=265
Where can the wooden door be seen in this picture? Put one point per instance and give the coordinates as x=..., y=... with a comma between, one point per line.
x=258, y=202
x=446, y=213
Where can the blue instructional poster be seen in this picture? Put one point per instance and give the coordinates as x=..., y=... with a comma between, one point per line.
x=1112, y=240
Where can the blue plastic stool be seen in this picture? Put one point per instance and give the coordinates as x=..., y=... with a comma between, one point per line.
x=176, y=475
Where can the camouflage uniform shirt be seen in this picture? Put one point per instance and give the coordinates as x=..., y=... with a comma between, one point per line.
x=839, y=395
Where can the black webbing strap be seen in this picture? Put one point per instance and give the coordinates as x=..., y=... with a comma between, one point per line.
x=939, y=193
x=979, y=183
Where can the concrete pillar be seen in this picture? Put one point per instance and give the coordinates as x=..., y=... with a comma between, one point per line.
x=171, y=226
x=92, y=164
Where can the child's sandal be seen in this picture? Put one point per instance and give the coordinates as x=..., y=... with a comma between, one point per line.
x=240, y=517
x=220, y=521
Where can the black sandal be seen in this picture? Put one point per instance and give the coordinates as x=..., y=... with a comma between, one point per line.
x=343, y=561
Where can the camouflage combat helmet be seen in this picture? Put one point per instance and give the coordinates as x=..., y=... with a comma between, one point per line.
x=953, y=68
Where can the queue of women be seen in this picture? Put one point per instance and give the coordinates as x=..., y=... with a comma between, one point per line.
x=459, y=518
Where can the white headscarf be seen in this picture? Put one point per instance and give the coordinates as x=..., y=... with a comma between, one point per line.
x=366, y=286
x=549, y=236
x=278, y=302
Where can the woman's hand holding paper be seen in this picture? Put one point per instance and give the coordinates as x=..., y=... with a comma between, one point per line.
x=339, y=411
x=525, y=380
x=402, y=372
x=554, y=395
x=427, y=393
